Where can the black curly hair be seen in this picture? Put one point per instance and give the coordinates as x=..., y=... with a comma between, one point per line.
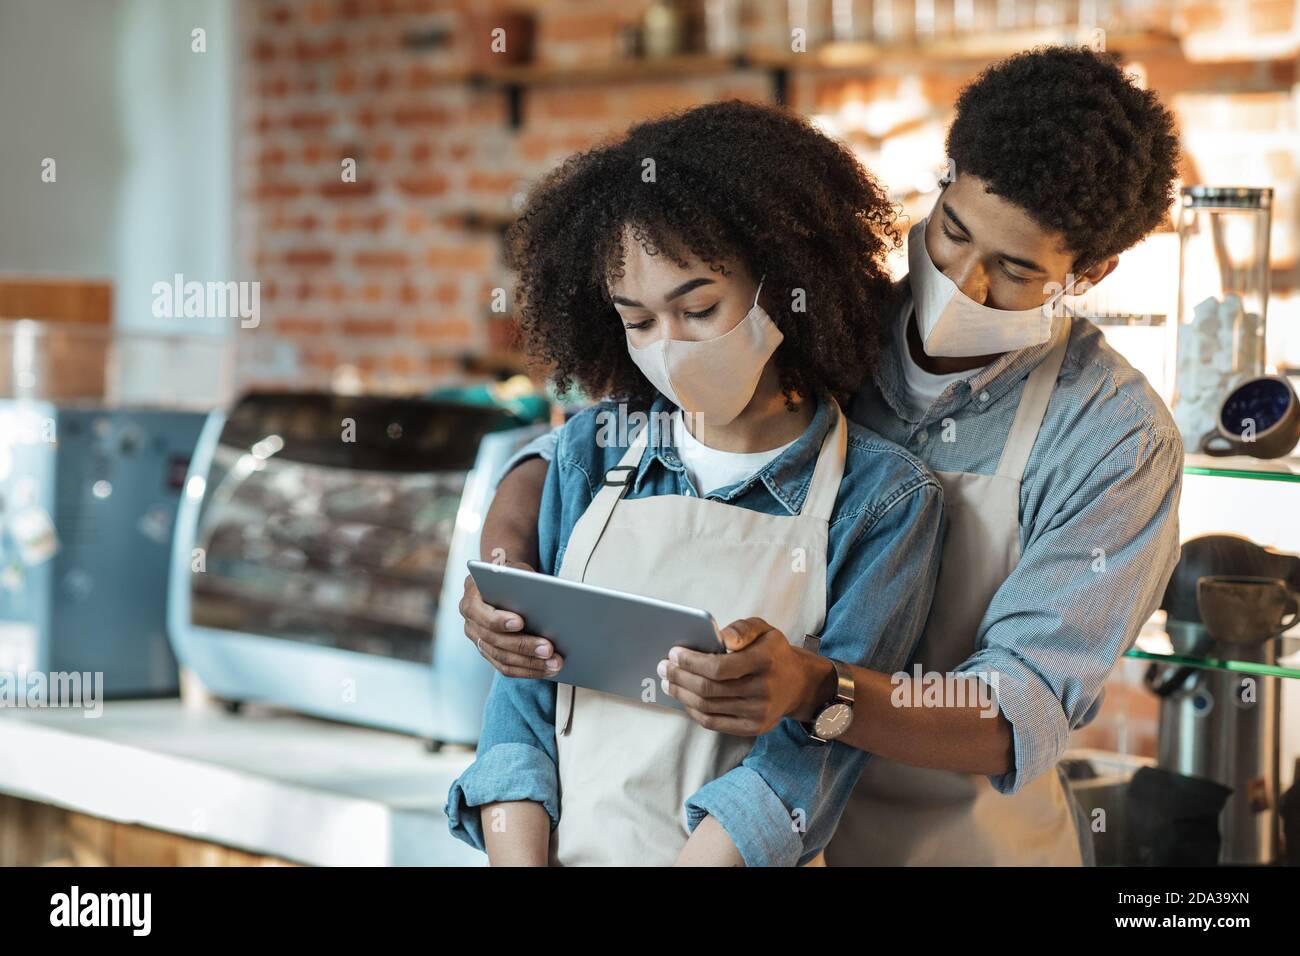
x=733, y=181
x=1064, y=134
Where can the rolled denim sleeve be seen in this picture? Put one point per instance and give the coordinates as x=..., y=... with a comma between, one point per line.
x=782, y=804
x=543, y=447
x=517, y=758
x=1091, y=573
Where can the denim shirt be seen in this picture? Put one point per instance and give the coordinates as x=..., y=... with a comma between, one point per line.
x=1098, y=523
x=781, y=805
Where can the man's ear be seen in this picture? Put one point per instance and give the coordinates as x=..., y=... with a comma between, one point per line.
x=1094, y=274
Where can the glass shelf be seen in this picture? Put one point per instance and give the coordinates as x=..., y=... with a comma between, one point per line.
x=1243, y=466
x=1153, y=645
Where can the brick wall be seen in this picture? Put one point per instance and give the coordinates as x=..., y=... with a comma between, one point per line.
x=383, y=283
x=383, y=277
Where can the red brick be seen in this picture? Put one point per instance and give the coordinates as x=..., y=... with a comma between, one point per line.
x=338, y=189
x=589, y=25
x=419, y=114
x=444, y=330
x=500, y=183
x=277, y=190
x=458, y=257
x=381, y=259
x=274, y=87
x=368, y=328
x=309, y=257
x=346, y=81
x=305, y=327
x=433, y=185
x=422, y=77
x=332, y=48
x=311, y=120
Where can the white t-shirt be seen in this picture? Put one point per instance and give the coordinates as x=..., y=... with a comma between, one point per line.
x=921, y=388
x=711, y=469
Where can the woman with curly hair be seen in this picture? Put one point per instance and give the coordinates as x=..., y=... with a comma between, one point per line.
x=717, y=277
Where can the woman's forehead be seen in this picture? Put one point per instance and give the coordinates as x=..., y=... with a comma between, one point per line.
x=645, y=262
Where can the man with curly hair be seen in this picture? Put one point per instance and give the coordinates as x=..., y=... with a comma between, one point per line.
x=1061, y=471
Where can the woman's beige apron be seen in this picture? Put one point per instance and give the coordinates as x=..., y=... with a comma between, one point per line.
x=626, y=767
x=903, y=815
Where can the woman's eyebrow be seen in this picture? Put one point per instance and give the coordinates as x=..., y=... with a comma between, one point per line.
x=686, y=287
x=681, y=290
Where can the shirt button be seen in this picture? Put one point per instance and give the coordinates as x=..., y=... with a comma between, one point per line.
x=922, y=438
x=984, y=396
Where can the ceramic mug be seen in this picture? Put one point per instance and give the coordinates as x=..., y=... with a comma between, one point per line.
x=1260, y=418
x=1240, y=609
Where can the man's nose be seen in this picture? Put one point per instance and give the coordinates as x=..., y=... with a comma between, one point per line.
x=969, y=276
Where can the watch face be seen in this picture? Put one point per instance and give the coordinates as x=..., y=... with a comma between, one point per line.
x=833, y=720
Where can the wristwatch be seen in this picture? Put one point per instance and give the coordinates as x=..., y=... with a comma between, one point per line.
x=835, y=717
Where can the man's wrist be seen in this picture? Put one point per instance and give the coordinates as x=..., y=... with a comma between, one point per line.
x=817, y=687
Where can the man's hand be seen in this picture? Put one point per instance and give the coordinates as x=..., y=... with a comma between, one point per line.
x=745, y=691
x=500, y=638
x=510, y=529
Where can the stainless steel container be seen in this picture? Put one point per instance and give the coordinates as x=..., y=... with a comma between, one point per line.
x=1208, y=730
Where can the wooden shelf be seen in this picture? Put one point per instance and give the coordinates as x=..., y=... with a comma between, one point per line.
x=779, y=63
x=837, y=57
x=630, y=70
x=479, y=220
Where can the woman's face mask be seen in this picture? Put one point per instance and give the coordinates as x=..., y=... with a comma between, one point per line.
x=952, y=324
x=715, y=378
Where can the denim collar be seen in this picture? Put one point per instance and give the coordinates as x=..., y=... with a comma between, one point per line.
x=787, y=477
x=995, y=379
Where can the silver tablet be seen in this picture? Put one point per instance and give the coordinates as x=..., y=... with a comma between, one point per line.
x=611, y=641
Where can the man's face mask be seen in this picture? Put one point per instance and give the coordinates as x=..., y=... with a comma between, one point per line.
x=716, y=377
x=954, y=325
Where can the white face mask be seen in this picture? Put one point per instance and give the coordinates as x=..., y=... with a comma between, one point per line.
x=953, y=324
x=715, y=377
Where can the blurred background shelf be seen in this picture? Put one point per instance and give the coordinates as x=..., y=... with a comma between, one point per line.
x=1240, y=466
x=1156, y=647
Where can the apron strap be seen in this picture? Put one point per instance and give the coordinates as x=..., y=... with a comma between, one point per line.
x=1033, y=406
x=829, y=470
x=586, y=534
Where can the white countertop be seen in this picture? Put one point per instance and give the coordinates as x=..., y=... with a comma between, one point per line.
x=265, y=781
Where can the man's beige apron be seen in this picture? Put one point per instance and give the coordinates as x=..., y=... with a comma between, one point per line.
x=627, y=767
x=903, y=815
